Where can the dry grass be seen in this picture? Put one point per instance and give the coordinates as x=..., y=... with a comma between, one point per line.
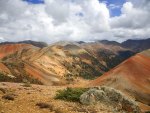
x=43, y=105
x=9, y=97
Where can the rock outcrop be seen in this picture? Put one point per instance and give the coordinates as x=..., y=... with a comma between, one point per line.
x=111, y=97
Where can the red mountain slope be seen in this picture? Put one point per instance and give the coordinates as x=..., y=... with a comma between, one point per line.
x=11, y=48
x=132, y=76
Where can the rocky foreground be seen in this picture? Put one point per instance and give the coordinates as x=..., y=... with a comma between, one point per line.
x=18, y=98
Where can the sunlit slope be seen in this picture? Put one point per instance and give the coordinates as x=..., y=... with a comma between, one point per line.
x=131, y=76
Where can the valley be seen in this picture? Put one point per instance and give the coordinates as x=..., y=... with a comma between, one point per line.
x=45, y=70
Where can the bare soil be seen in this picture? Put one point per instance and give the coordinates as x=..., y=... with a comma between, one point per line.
x=40, y=99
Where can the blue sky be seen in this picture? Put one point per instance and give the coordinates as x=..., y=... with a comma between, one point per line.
x=113, y=11
x=35, y=1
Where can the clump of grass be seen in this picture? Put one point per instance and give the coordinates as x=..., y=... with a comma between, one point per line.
x=147, y=112
x=26, y=83
x=70, y=94
x=43, y=105
x=3, y=90
x=50, y=107
x=5, y=78
x=9, y=97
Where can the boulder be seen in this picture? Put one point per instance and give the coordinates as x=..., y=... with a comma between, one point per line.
x=111, y=97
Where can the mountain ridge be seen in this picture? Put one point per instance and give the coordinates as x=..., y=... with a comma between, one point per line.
x=34, y=43
x=63, y=61
x=137, y=45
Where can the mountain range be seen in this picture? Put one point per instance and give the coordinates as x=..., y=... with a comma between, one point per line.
x=61, y=62
x=137, y=45
x=124, y=66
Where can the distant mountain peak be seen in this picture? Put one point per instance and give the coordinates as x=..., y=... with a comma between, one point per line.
x=137, y=45
x=109, y=42
x=64, y=43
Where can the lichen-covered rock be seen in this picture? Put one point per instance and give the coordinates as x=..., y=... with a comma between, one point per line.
x=109, y=96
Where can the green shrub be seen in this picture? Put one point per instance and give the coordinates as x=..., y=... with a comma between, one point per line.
x=26, y=83
x=5, y=78
x=70, y=94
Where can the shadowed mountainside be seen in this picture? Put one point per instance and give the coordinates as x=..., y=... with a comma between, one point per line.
x=137, y=45
x=109, y=53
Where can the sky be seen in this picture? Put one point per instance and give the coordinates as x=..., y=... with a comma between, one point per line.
x=74, y=20
x=35, y=1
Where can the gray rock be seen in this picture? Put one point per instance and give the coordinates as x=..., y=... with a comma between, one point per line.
x=109, y=96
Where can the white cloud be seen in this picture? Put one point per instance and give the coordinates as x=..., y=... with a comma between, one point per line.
x=133, y=22
x=72, y=20
x=58, y=10
x=131, y=17
x=114, y=6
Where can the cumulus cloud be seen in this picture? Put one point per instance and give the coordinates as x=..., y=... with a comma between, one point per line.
x=133, y=21
x=131, y=17
x=58, y=10
x=76, y=20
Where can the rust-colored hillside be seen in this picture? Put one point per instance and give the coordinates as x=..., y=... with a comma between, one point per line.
x=8, y=49
x=132, y=76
